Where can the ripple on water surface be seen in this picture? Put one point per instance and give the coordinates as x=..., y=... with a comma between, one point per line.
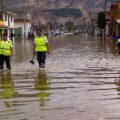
x=81, y=82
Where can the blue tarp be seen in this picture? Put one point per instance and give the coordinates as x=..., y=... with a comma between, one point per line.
x=116, y=37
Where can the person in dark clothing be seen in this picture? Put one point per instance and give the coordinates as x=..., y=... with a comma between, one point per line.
x=118, y=46
x=11, y=37
x=32, y=36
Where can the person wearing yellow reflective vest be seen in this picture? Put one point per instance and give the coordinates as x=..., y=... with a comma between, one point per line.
x=5, y=52
x=41, y=47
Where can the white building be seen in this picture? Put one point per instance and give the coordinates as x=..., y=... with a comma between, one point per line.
x=6, y=22
x=22, y=24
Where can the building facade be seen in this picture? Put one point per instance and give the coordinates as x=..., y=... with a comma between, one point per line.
x=22, y=24
x=6, y=23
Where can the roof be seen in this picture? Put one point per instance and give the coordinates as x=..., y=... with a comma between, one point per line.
x=8, y=12
x=22, y=20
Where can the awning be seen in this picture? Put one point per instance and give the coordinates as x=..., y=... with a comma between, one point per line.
x=3, y=27
x=2, y=23
x=118, y=21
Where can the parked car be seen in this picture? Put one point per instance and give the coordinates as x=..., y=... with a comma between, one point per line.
x=76, y=32
x=56, y=33
x=45, y=33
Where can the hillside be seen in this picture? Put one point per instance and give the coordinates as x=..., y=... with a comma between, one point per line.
x=84, y=5
x=36, y=6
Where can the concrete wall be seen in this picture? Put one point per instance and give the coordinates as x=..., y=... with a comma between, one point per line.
x=25, y=28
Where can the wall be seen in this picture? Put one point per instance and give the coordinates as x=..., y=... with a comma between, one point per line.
x=25, y=28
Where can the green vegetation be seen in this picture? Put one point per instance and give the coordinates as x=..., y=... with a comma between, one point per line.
x=69, y=26
x=64, y=12
x=101, y=20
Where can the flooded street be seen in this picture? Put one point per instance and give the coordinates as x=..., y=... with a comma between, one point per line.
x=81, y=82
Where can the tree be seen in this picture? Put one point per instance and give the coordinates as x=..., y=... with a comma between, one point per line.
x=101, y=22
x=69, y=26
x=50, y=24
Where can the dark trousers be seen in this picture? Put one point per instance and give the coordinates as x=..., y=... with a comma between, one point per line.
x=5, y=59
x=41, y=57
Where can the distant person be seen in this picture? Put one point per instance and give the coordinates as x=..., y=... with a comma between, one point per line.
x=41, y=46
x=114, y=33
x=11, y=37
x=118, y=46
x=32, y=36
x=5, y=33
x=29, y=35
x=5, y=52
x=19, y=35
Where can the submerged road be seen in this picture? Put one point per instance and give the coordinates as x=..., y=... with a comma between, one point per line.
x=81, y=82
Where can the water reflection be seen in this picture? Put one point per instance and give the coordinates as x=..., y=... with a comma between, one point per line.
x=117, y=82
x=112, y=46
x=81, y=81
x=6, y=88
x=42, y=85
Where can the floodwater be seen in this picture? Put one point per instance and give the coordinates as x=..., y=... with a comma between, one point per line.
x=81, y=82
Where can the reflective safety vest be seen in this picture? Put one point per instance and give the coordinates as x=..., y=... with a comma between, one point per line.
x=1, y=46
x=40, y=44
x=6, y=48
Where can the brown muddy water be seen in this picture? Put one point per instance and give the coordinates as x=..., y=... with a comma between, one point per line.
x=81, y=82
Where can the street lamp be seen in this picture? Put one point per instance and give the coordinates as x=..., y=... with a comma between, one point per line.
x=1, y=5
x=91, y=18
x=105, y=5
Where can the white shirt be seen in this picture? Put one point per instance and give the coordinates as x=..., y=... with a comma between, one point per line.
x=46, y=40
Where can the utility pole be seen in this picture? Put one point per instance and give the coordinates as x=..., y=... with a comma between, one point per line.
x=24, y=17
x=1, y=9
x=1, y=16
x=1, y=5
x=91, y=16
x=105, y=3
x=84, y=20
